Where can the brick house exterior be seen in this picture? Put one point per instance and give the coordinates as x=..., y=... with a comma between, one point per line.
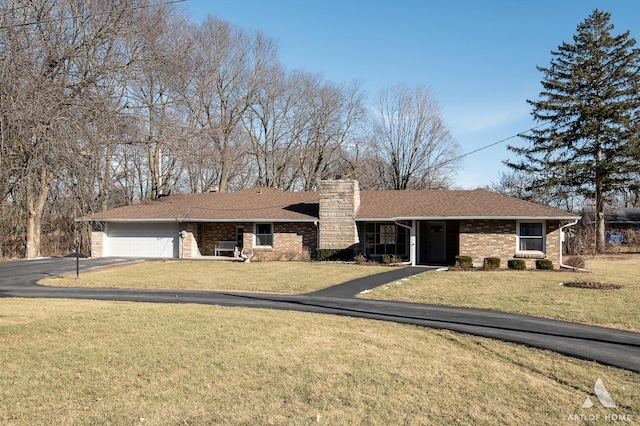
x=479, y=237
x=419, y=227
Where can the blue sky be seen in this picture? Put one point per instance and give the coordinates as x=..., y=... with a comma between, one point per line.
x=478, y=57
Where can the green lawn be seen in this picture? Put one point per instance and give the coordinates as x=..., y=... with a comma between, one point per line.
x=526, y=292
x=533, y=292
x=259, y=277
x=88, y=362
x=94, y=362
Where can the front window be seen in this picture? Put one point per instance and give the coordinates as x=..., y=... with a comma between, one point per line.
x=263, y=233
x=531, y=236
x=385, y=238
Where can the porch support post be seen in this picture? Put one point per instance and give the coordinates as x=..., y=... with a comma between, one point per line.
x=412, y=243
x=412, y=239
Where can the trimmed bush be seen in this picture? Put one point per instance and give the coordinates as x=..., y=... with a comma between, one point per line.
x=464, y=262
x=390, y=259
x=517, y=264
x=360, y=259
x=575, y=261
x=544, y=264
x=344, y=255
x=491, y=263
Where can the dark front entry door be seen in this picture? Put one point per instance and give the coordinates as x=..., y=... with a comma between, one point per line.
x=436, y=242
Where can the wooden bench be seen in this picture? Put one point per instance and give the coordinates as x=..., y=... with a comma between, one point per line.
x=226, y=246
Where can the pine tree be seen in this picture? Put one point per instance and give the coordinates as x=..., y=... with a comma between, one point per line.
x=590, y=104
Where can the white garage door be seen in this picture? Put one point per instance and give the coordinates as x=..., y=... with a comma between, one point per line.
x=141, y=240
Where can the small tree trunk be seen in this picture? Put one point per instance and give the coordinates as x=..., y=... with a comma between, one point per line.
x=599, y=213
x=35, y=207
x=600, y=230
x=33, y=234
x=104, y=186
x=224, y=179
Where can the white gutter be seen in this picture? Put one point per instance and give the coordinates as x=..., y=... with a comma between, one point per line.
x=562, y=265
x=434, y=218
x=182, y=220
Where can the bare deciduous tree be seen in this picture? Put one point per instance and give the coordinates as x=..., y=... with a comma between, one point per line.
x=226, y=67
x=332, y=110
x=55, y=57
x=106, y=103
x=272, y=124
x=155, y=53
x=410, y=145
x=518, y=184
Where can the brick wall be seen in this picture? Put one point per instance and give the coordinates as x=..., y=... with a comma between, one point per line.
x=488, y=238
x=554, y=245
x=497, y=238
x=215, y=232
x=339, y=202
x=291, y=241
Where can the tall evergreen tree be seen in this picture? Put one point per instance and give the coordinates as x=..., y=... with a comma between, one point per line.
x=591, y=103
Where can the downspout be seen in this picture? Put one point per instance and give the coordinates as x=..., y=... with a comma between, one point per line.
x=562, y=265
x=315, y=223
x=412, y=243
x=181, y=233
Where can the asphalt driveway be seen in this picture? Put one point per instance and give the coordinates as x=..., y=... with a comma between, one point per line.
x=607, y=346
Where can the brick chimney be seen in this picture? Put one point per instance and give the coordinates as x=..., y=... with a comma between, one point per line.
x=339, y=203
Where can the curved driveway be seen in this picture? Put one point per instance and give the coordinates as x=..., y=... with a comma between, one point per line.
x=607, y=346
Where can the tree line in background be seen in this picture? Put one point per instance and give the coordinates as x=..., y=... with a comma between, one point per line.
x=105, y=103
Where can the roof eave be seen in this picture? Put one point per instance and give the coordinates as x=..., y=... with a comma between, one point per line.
x=155, y=220
x=376, y=219
x=160, y=220
x=310, y=220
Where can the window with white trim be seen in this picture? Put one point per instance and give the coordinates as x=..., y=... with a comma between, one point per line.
x=263, y=235
x=531, y=236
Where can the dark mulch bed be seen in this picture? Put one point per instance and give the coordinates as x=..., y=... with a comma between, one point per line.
x=593, y=285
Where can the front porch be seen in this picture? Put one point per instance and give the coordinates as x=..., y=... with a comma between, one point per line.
x=439, y=241
x=421, y=242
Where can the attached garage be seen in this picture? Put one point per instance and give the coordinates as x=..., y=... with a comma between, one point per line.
x=141, y=240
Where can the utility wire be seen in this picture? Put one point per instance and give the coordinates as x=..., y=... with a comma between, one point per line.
x=492, y=144
x=26, y=24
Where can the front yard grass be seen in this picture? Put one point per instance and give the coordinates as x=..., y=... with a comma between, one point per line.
x=529, y=292
x=533, y=292
x=255, y=277
x=84, y=362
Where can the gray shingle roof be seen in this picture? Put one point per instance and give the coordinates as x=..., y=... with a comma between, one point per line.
x=270, y=204
x=247, y=205
x=477, y=203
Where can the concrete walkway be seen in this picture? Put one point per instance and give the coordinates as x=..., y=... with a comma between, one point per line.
x=607, y=346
